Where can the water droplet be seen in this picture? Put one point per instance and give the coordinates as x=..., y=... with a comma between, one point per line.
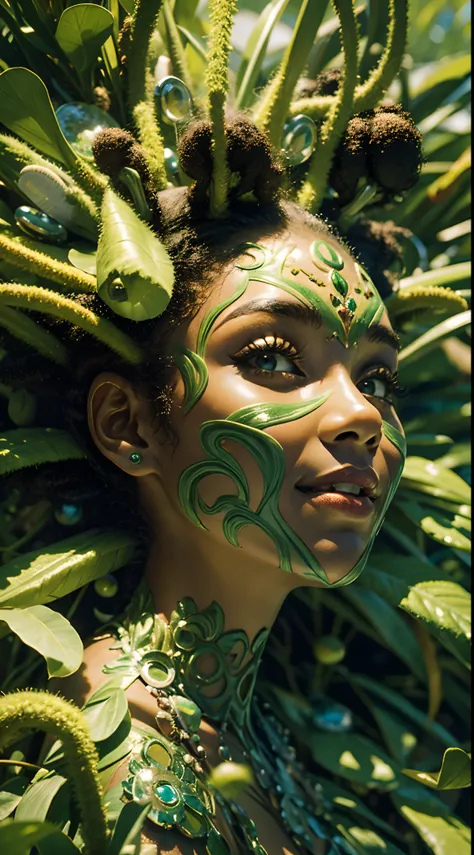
x=173, y=99
x=38, y=225
x=68, y=514
x=298, y=139
x=80, y=123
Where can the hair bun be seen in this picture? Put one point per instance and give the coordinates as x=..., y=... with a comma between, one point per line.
x=326, y=83
x=114, y=148
x=249, y=156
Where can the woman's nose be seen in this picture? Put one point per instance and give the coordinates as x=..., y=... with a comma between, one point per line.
x=350, y=417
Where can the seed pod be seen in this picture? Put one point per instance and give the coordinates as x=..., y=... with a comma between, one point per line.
x=326, y=83
x=114, y=149
x=350, y=161
x=394, y=155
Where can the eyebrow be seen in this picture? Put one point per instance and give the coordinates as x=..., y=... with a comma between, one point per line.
x=306, y=315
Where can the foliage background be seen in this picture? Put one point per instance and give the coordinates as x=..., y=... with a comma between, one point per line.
x=386, y=686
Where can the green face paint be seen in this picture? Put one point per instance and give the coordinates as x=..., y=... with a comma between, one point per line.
x=347, y=314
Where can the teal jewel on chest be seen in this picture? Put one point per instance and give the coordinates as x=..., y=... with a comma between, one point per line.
x=298, y=139
x=173, y=100
x=37, y=225
x=80, y=123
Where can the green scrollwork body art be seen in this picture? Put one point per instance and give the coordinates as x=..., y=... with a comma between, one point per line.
x=347, y=314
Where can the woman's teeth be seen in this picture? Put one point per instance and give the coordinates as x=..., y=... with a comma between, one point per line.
x=346, y=488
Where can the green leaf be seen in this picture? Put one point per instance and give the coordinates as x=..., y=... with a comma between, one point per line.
x=444, y=836
x=10, y=794
x=43, y=576
x=254, y=53
x=449, y=68
x=127, y=829
x=441, y=481
x=455, y=772
x=105, y=710
x=392, y=628
x=81, y=32
x=398, y=737
x=419, y=348
x=436, y=524
x=27, y=111
x=354, y=758
x=57, y=845
x=130, y=252
x=445, y=604
x=37, y=800
x=18, y=837
x=346, y=800
x=32, y=446
x=364, y=841
x=50, y=634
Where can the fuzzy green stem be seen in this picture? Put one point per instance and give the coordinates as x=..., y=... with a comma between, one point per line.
x=272, y=111
x=175, y=47
x=65, y=275
x=316, y=108
x=140, y=88
x=426, y=301
x=217, y=82
x=50, y=303
x=23, y=712
x=312, y=191
x=28, y=331
x=368, y=94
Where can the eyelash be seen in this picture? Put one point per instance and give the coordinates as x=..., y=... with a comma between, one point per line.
x=275, y=344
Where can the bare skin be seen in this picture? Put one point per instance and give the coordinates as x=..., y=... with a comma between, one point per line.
x=254, y=357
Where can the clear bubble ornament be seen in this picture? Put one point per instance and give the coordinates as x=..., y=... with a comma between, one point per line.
x=173, y=100
x=68, y=514
x=80, y=123
x=106, y=586
x=299, y=139
x=37, y=225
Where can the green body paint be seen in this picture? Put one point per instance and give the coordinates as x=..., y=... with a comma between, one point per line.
x=345, y=320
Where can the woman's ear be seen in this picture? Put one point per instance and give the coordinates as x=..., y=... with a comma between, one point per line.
x=121, y=424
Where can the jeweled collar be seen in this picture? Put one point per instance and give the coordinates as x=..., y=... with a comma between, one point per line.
x=193, y=655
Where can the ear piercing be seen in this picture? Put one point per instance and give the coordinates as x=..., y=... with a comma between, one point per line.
x=135, y=457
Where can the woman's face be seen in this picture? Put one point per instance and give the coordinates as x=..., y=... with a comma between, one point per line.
x=289, y=445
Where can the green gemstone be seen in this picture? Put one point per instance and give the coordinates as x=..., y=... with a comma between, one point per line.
x=167, y=794
x=335, y=300
x=339, y=283
x=351, y=304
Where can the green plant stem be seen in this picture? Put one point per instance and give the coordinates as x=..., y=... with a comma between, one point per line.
x=23, y=712
x=175, y=47
x=312, y=192
x=368, y=94
x=65, y=275
x=221, y=19
x=28, y=331
x=50, y=303
x=140, y=88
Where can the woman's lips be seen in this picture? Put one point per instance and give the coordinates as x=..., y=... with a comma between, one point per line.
x=360, y=506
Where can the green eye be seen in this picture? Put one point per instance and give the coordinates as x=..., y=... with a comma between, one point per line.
x=375, y=387
x=272, y=362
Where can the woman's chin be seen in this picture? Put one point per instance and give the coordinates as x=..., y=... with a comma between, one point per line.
x=337, y=555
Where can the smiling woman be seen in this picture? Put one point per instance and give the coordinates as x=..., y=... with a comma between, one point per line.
x=227, y=367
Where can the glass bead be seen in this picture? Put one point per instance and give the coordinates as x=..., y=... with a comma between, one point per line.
x=167, y=794
x=80, y=123
x=106, y=586
x=68, y=514
x=298, y=139
x=173, y=99
x=38, y=225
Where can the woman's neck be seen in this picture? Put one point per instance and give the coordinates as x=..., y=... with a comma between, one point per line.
x=220, y=616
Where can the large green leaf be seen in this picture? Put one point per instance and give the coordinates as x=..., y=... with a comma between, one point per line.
x=443, y=482
x=437, y=524
x=125, y=839
x=43, y=576
x=364, y=841
x=134, y=271
x=37, y=800
x=50, y=634
x=81, y=32
x=33, y=446
x=419, y=348
x=10, y=794
x=454, y=774
x=445, y=604
x=444, y=836
x=355, y=758
x=18, y=837
x=254, y=52
x=27, y=111
x=392, y=628
x=449, y=68
x=346, y=800
x=105, y=710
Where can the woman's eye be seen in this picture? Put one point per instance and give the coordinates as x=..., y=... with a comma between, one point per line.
x=375, y=387
x=273, y=362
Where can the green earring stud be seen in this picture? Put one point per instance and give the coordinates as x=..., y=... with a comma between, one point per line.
x=136, y=457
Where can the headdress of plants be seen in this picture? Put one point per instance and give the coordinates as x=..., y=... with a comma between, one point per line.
x=102, y=107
